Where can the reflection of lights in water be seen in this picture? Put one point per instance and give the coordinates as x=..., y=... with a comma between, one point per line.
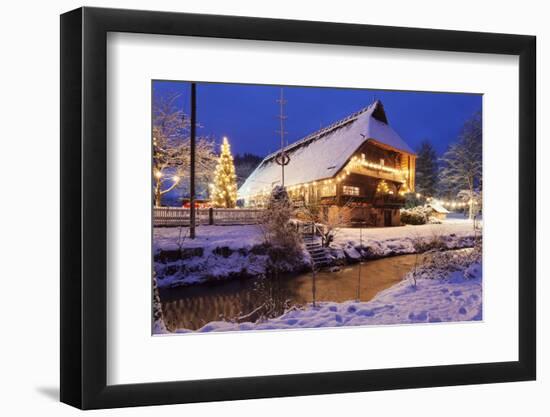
x=194, y=306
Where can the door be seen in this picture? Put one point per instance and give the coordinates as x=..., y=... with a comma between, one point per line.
x=387, y=218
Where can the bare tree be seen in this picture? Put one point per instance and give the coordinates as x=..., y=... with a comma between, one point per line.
x=171, y=148
x=332, y=222
x=462, y=163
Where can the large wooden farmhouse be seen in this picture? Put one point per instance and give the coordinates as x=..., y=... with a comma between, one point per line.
x=356, y=171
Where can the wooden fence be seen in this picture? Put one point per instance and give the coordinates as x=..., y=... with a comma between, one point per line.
x=178, y=216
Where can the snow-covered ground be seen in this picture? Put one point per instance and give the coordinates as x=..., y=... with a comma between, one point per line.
x=208, y=237
x=217, y=253
x=221, y=252
x=453, y=233
x=457, y=297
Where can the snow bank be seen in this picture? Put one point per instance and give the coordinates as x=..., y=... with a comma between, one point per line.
x=458, y=297
x=381, y=242
x=218, y=252
x=224, y=252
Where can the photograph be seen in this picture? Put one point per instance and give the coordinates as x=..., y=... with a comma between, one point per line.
x=286, y=207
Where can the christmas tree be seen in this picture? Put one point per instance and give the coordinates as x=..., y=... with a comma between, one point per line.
x=223, y=192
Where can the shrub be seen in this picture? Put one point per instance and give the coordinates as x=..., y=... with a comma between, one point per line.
x=280, y=235
x=416, y=215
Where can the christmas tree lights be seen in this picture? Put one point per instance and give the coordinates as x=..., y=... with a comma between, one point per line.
x=223, y=192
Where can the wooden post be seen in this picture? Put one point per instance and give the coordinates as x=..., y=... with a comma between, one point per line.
x=192, y=161
x=210, y=216
x=360, y=260
x=313, y=286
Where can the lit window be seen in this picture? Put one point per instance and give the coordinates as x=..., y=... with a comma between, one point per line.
x=349, y=190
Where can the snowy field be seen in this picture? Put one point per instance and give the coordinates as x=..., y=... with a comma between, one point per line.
x=458, y=297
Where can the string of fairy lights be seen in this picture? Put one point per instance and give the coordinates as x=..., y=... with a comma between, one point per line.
x=352, y=166
x=223, y=190
x=453, y=204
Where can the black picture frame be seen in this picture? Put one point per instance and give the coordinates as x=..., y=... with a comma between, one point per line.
x=84, y=207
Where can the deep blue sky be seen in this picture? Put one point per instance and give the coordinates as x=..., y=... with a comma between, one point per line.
x=246, y=114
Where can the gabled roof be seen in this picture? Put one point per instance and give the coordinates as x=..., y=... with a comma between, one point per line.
x=324, y=153
x=438, y=208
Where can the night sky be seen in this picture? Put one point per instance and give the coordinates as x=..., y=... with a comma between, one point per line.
x=247, y=114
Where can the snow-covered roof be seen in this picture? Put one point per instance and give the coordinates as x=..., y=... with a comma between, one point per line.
x=324, y=153
x=438, y=208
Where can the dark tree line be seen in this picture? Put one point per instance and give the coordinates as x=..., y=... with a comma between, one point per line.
x=426, y=169
x=458, y=173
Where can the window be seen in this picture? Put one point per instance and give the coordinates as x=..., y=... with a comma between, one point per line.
x=349, y=190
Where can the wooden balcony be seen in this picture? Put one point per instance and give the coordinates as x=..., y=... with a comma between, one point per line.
x=378, y=173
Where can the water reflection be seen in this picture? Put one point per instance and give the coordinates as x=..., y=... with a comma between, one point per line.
x=194, y=306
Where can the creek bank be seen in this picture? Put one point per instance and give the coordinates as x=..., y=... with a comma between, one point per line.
x=237, y=252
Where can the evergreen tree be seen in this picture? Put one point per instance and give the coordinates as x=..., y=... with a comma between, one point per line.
x=224, y=189
x=426, y=169
x=462, y=164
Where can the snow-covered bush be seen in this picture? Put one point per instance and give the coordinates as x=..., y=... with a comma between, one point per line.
x=159, y=326
x=438, y=263
x=416, y=215
x=280, y=234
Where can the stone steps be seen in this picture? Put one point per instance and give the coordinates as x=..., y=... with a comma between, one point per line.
x=316, y=251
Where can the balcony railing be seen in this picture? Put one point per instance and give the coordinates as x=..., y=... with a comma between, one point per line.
x=379, y=173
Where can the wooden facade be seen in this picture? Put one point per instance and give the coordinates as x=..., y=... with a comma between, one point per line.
x=358, y=197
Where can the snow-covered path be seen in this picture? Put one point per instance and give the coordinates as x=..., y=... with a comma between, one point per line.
x=455, y=298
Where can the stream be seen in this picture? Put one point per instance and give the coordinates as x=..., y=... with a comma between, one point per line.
x=194, y=306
